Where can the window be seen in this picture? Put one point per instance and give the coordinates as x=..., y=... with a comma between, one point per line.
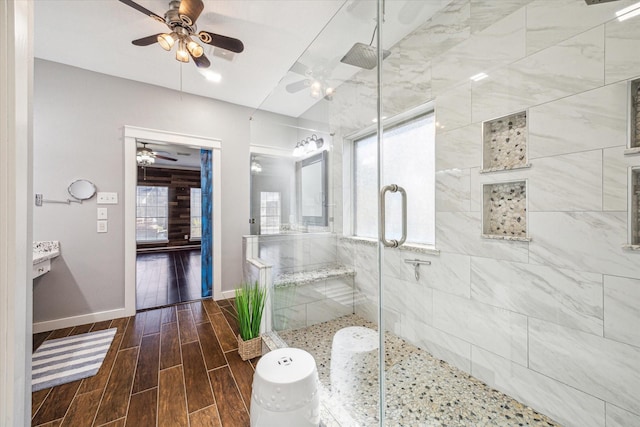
x=151, y=214
x=269, y=212
x=408, y=154
x=196, y=214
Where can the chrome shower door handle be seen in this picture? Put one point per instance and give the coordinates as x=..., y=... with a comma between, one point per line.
x=383, y=237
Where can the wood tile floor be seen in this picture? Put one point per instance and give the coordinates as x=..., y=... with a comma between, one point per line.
x=175, y=366
x=164, y=278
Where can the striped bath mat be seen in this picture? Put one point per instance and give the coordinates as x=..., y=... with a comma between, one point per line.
x=68, y=359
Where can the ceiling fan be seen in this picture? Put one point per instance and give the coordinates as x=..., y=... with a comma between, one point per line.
x=181, y=20
x=147, y=157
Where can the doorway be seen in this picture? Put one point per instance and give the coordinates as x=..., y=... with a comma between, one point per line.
x=168, y=225
x=177, y=263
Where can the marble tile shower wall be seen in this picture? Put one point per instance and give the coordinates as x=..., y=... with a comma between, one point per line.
x=290, y=253
x=554, y=321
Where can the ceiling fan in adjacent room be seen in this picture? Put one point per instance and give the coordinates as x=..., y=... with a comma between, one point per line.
x=181, y=20
x=147, y=157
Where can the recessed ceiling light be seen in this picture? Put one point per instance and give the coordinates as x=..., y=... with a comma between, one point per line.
x=628, y=12
x=479, y=76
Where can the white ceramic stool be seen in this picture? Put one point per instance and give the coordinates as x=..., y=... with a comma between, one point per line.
x=354, y=358
x=285, y=390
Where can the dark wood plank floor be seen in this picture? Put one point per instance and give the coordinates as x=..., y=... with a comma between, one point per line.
x=174, y=366
x=164, y=278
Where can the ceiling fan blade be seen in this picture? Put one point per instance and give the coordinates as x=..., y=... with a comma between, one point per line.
x=297, y=86
x=224, y=42
x=146, y=41
x=158, y=156
x=144, y=10
x=202, y=61
x=300, y=68
x=190, y=9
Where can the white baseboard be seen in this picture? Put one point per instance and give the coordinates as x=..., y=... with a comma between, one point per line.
x=227, y=295
x=83, y=319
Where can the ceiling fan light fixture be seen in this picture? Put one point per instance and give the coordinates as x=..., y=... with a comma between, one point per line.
x=181, y=54
x=145, y=157
x=195, y=49
x=166, y=41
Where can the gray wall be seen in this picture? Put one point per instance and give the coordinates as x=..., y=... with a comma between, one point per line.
x=78, y=128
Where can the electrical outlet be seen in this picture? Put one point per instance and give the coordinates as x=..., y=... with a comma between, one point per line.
x=105, y=198
x=102, y=226
x=186, y=237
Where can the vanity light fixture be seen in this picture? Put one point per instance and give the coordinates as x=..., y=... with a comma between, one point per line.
x=307, y=146
x=628, y=12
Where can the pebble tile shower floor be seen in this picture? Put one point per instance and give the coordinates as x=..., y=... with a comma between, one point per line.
x=420, y=389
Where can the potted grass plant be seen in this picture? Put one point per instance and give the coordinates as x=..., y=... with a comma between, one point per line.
x=250, y=300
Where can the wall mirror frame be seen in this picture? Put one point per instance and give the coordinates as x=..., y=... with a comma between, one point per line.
x=311, y=190
x=82, y=189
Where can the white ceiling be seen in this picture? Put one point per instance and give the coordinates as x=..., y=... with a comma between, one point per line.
x=96, y=35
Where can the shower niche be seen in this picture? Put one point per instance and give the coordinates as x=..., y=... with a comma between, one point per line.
x=504, y=214
x=633, y=144
x=504, y=143
x=634, y=209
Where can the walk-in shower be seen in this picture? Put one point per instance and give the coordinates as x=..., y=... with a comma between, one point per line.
x=495, y=289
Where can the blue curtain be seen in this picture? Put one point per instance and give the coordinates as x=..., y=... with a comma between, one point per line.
x=206, y=184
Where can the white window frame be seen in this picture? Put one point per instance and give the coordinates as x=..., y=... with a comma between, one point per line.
x=152, y=241
x=191, y=215
x=349, y=167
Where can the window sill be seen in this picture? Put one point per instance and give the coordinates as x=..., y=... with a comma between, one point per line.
x=407, y=247
x=151, y=242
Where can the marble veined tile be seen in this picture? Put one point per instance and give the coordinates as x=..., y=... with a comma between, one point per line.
x=413, y=300
x=485, y=13
x=618, y=417
x=500, y=331
x=447, y=28
x=499, y=44
x=447, y=272
x=459, y=232
x=406, y=81
x=621, y=313
x=453, y=107
x=548, y=25
x=615, y=179
x=459, y=148
x=569, y=298
x=582, y=241
x=571, y=67
x=327, y=309
x=586, y=121
x=571, y=407
x=570, y=182
x=440, y=344
x=453, y=190
x=621, y=60
x=603, y=368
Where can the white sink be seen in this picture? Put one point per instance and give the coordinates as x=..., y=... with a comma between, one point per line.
x=43, y=253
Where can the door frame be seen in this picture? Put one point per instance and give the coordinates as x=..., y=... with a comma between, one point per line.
x=131, y=135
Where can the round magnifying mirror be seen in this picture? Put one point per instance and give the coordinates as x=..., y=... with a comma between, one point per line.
x=82, y=189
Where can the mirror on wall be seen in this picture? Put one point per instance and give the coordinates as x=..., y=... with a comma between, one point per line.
x=272, y=194
x=311, y=190
x=82, y=189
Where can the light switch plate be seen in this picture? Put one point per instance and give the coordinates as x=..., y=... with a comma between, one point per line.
x=102, y=213
x=105, y=198
x=102, y=226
